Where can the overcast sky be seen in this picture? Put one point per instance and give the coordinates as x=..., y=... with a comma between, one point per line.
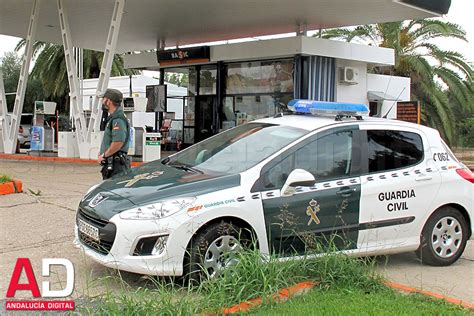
x=461, y=12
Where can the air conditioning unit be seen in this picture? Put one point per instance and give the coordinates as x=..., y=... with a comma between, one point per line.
x=349, y=75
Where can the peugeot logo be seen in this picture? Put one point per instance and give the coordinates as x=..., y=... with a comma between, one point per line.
x=97, y=199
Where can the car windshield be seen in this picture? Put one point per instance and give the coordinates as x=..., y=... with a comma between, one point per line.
x=237, y=149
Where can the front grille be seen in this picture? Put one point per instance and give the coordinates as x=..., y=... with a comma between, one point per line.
x=107, y=233
x=92, y=219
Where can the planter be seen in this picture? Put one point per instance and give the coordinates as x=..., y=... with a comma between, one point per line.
x=15, y=186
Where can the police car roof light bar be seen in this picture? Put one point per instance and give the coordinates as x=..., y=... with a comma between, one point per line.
x=338, y=109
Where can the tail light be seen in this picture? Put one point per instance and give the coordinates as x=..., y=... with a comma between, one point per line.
x=466, y=174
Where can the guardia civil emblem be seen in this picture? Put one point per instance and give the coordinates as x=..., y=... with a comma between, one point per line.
x=140, y=177
x=312, y=211
x=97, y=199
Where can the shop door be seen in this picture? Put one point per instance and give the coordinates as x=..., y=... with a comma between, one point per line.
x=205, y=118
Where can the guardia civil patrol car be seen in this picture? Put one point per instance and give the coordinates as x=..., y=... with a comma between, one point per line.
x=324, y=173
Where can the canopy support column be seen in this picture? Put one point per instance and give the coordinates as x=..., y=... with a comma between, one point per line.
x=12, y=129
x=74, y=94
x=3, y=112
x=109, y=53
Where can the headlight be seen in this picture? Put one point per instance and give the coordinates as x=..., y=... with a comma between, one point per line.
x=158, y=210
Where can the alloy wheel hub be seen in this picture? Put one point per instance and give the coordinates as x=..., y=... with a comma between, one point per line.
x=221, y=254
x=446, y=237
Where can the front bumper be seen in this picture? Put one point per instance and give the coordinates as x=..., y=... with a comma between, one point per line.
x=120, y=255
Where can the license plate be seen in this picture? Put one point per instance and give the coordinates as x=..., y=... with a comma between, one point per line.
x=88, y=230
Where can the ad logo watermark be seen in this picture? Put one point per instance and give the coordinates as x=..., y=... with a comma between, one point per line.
x=24, y=265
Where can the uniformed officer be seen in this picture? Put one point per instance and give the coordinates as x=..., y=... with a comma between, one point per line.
x=113, y=150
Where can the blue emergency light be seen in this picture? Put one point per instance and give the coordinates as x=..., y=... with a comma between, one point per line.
x=328, y=108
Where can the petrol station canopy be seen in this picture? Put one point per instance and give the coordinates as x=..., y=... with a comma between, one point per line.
x=148, y=22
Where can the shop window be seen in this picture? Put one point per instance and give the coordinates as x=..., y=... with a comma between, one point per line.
x=207, y=80
x=227, y=115
x=249, y=108
x=274, y=76
x=183, y=77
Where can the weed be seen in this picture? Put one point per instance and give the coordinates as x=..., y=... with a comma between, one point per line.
x=254, y=276
x=5, y=179
x=35, y=193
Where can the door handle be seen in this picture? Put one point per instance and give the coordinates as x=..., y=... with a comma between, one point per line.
x=423, y=177
x=346, y=191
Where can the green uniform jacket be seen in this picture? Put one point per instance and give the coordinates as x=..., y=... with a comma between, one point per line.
x=116, y=130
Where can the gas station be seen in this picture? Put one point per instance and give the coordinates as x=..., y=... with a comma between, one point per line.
x=242, y=61
x=233, y=74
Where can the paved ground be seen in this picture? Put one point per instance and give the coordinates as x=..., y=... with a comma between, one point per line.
x=39, y=224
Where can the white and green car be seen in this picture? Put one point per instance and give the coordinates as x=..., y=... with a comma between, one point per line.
x=371, y=186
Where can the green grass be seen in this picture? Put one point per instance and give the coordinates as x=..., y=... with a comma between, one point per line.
x=254, y=276
x=348, y=286
x=5, y=179
x=356, y=301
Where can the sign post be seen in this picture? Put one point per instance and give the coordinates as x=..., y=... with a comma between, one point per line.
x=409, y=111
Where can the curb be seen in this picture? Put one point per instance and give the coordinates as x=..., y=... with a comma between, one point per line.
x=408, y=289
x=303, y=287
x=280, y=297
x=15, y=186
x=57, y=159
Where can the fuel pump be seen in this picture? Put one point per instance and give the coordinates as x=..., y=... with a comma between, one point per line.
x=43, y=135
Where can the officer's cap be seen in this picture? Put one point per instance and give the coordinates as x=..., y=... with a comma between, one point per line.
x=114, y=95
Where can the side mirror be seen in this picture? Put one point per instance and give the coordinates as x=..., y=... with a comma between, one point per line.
x=297, y=177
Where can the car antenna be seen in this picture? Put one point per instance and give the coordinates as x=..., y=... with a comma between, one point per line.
x=394, y=102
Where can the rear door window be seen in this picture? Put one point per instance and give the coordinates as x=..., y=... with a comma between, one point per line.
x=390, y=150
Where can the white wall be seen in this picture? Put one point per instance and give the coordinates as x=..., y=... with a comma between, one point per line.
x=390, y=86
x=397, y=87
x=356, y=93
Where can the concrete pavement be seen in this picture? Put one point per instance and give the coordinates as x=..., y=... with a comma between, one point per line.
x=39, y=224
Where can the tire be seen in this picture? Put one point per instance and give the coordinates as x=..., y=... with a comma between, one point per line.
x=212, y=249
x=443, y=238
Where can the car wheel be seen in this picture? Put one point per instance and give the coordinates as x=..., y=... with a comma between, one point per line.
x=213, y=250
x=443, y=238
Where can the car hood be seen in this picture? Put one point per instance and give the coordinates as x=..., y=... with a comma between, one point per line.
x=153, y=182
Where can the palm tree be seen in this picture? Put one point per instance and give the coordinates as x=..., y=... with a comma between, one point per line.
x=50, y=69
x=432, y=70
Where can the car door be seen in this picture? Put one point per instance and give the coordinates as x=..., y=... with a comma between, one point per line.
x=324, y=213
x=398, y=185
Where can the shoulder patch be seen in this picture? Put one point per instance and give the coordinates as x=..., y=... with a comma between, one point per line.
x=116, y=126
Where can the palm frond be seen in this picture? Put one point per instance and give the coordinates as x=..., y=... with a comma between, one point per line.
x=434, y=28
x=457, y=87
x=437, y=105
x=337, y=34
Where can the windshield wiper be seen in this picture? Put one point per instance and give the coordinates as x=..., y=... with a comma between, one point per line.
x=185, y=168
